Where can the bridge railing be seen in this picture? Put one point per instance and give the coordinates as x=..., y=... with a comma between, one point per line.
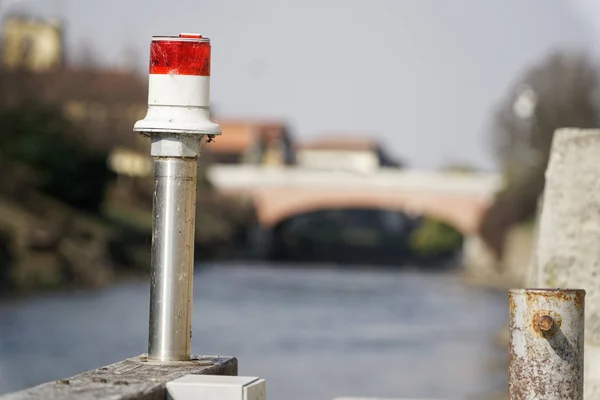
x=249, y=176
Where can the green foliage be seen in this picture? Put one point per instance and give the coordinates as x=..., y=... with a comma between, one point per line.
x=434, y=238
x=460, y=168
x=38, y=137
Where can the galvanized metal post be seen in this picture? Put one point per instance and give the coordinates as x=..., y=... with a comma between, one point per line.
x=546, y=344
x=174, y=214
x=177, y=120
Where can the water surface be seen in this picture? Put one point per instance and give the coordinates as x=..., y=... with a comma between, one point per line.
x=313, y=333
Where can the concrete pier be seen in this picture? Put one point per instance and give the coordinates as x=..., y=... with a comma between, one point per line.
x=568, y=247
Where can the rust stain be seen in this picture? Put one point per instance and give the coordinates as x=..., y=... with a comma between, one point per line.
x=512, y=306
x=575, y=295
x=579, y=299
x=562, y=295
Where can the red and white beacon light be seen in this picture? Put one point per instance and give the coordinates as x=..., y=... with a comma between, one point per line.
x=178, y=95
x=177, y=119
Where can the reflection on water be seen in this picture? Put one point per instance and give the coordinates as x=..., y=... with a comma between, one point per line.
x=312, y=333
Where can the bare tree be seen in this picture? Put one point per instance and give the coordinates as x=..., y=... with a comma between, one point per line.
x=558, y=92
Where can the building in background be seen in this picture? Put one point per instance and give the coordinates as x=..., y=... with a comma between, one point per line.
x=251, y=142
x=352, y=153
x=32, y=44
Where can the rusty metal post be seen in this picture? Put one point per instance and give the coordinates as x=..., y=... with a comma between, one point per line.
x=546, y=344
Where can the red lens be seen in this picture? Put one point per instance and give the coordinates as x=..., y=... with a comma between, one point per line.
x=185, y=57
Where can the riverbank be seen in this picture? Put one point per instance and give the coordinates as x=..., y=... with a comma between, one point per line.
x=512, y=271
x=45, y=245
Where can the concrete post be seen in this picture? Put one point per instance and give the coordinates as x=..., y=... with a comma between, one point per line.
x=568, y=247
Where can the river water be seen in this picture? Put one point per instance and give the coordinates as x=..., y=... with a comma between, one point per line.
x=313, y=333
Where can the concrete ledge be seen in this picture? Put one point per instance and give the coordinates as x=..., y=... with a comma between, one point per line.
x=132, y=379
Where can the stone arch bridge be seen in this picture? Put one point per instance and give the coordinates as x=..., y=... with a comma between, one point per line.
x=458, y=199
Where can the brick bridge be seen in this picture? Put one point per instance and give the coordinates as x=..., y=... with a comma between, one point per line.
x=458, y=199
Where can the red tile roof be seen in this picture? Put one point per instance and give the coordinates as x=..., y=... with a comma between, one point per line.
x=352, y=142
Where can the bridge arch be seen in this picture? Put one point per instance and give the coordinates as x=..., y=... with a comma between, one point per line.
x=461, y=211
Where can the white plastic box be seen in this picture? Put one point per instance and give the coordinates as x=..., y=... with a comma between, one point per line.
x=216, y=387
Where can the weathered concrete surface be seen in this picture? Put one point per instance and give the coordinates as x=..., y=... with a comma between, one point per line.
x=134, y=379
x=568, y=248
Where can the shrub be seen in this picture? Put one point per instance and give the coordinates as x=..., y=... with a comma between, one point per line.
x=433, y=238
x=37, y=136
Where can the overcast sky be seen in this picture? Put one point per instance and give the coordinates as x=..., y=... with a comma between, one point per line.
x=422, y=75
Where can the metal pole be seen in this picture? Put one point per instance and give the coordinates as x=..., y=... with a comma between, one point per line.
x=177, y=120
x=546, y=344
x=172, y=270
